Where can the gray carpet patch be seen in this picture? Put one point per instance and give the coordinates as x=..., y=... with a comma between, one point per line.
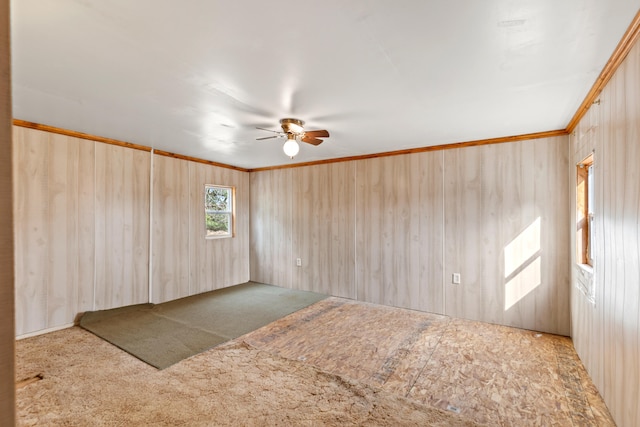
x=164, y=334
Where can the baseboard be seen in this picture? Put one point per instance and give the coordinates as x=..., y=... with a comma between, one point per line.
x=43, y=331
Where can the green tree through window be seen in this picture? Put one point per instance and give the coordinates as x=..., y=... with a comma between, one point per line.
x=218, y=211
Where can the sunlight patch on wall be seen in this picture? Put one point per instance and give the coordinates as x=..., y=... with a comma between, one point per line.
x=522, y=248
x=522, y=264
x=522, y=283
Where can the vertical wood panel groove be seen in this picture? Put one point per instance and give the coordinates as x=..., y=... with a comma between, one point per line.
x=95, y=230
x=443, y=253
x=192, y=200
x=150, y=225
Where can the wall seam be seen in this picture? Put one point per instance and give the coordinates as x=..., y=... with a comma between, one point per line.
x=355, y=231
x=292, y=266
x=95, y=228
x=48, y=214
x=77, y=232
x=570, y=172
x=444, y=231
x=150, y=279
x=190, y=290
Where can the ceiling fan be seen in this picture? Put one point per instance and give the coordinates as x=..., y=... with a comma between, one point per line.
x=293, y=129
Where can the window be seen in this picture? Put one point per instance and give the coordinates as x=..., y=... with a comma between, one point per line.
x=584, y=211
x=219, y=211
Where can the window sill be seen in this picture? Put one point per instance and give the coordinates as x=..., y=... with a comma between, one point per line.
x=585, y=281
x=586, y=269
x=226, y=236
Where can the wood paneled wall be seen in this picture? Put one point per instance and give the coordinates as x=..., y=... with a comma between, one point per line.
x=399, y=234
x=606, y=333
x=7, y=330
x=184, y=262
x=319, y=229
x=323, y=230
x=82, y=212
x=121, y=226
x=506, y=215
x=272, y=259
x=82, y=228
x=54, y=209
x=416, y=219
x=170, y=239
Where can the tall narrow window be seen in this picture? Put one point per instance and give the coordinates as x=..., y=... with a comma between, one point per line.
x=585, y=211
x=218, y=211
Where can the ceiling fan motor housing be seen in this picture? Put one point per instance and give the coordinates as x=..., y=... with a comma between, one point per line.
x=294, y=126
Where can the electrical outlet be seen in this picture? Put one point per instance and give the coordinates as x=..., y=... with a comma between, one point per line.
x=298, y=262
x=455, y=279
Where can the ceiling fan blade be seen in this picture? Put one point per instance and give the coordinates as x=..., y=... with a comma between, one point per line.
x=317, y=133
x=269, y=130
x=268, y=137
x=312, y=141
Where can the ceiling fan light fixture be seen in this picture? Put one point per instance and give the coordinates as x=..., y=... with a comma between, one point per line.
x=291, y=147
x=293, y=130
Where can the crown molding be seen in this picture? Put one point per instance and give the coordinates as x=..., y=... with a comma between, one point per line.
x=619, y=54
x=500, y=140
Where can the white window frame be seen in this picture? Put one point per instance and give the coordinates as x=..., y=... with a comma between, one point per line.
x=230, y=212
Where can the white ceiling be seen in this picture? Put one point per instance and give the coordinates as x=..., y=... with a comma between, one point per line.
x=196, y=77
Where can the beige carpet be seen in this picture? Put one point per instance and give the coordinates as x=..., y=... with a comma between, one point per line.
x=88, y=382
